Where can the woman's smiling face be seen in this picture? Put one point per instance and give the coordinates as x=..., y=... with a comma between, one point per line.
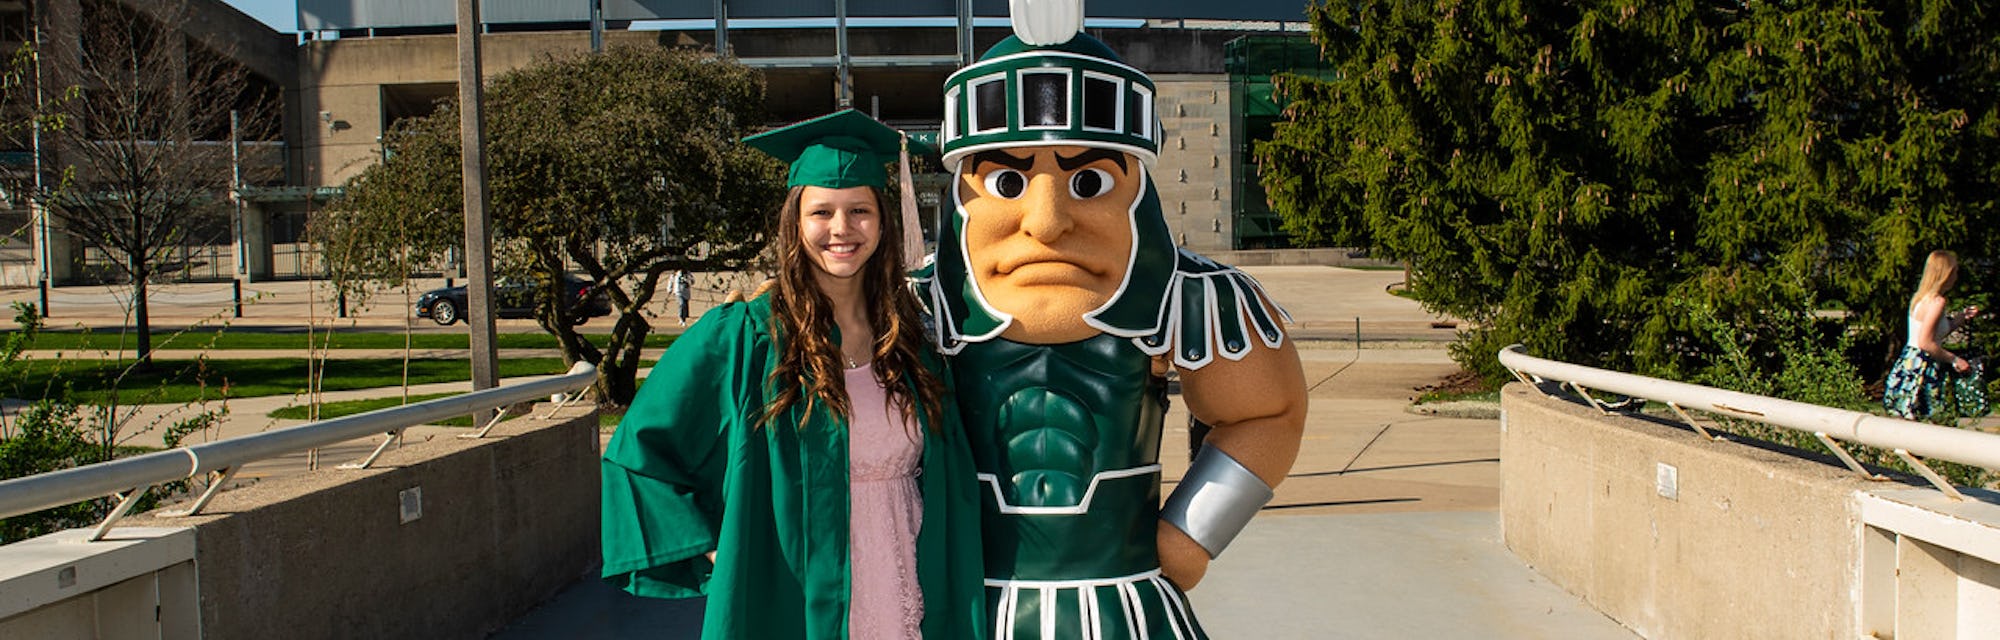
x=839, y=229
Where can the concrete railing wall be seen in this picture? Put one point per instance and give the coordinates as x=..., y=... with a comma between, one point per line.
x=449, y=538
x=1678, y=536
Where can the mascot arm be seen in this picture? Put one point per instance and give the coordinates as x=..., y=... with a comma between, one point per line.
x=1257, y=408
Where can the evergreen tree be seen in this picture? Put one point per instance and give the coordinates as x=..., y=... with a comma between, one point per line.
x=1563, y=173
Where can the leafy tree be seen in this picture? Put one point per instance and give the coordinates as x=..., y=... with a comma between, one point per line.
x=145, y=141
x=625, y=165
x=1561, y=173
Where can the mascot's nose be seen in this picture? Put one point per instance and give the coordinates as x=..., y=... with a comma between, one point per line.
x=1047, y=216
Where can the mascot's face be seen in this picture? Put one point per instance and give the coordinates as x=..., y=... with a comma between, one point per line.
x=1048, y=234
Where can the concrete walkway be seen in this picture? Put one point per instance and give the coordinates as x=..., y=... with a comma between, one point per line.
x=1386, y=528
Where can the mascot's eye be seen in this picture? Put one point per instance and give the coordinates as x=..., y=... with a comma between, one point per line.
x=1006, y=183
x=1089, y=183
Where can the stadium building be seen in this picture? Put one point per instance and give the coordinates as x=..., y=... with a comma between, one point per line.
x=357, y=67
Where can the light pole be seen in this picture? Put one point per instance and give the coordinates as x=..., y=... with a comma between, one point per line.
x=596, y=26
x=478, y=233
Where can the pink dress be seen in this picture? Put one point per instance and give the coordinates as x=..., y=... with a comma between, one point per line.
x=885, y=512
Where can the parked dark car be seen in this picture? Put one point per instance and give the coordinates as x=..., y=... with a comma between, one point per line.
x=514, y=298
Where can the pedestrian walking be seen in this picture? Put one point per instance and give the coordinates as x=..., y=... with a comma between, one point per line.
x=683, y=286
x=1928, y=379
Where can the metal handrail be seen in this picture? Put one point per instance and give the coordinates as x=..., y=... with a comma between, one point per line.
x=127, y=477
x=1905, y=437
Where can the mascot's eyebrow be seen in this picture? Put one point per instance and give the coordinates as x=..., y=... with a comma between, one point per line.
x=1002, y=158
x=1079, y=160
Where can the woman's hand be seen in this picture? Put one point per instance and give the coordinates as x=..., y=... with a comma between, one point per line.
x=1959, y=364
x=1969, y=313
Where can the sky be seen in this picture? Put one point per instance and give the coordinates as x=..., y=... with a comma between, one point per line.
x=282, y=15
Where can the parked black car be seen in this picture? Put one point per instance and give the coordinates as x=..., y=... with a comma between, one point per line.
x=514, y=298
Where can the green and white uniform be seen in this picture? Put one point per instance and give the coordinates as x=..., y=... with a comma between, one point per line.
x=1066, y=437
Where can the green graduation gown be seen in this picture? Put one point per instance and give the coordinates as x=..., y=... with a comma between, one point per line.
x=687, y=473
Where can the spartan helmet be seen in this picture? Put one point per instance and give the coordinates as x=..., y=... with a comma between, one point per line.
x=1073, y=91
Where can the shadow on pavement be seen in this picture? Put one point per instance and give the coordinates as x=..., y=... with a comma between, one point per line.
x=590, y=609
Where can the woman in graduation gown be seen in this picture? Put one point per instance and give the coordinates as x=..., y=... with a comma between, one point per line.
x=797, y=458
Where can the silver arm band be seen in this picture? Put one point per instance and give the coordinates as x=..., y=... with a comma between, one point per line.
x=1216, y=498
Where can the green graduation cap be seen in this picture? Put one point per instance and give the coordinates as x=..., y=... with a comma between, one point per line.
x=836, y=151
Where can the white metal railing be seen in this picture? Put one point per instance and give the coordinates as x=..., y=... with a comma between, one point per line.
x=128, y=478
x=1831, y=426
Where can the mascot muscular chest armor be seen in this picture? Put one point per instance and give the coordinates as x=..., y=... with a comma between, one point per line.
x=1062, y=301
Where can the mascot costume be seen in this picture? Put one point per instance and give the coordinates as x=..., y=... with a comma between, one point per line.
x=1062, y=301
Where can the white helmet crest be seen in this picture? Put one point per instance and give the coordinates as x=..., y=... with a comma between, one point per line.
x=1046, y=22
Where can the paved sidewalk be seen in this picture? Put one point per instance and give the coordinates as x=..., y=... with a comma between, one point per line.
x=292, y=305
x=1325, y=302
x=1386, y=528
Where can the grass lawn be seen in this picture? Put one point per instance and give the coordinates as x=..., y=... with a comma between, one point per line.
x=1459, y=386
x=225, y=339
x=1458, y=396
x=176, y=381
x=350, y=407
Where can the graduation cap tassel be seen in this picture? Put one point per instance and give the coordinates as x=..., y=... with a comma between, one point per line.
x=913, y=232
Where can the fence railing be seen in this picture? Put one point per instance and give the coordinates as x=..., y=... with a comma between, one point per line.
x=1906, y=438
x=126, y=479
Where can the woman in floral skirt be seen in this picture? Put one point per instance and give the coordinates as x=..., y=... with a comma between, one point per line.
x=1917, y=385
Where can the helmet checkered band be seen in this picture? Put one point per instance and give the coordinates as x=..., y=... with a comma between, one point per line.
x=1039, y=97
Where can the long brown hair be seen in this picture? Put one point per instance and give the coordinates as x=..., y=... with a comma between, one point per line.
x=809, y=363
x=1940, y=271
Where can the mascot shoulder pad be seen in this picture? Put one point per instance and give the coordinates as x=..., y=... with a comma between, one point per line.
x=1213, y=309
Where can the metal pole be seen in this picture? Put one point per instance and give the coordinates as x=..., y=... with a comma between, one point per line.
x=722, y=28
x=43, y=253
x=965, y=52
x=236, y=192
x=596, y=26
x=478, y=232
x=844, y=93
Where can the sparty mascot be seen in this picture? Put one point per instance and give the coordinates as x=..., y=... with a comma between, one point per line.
x=1063, y=303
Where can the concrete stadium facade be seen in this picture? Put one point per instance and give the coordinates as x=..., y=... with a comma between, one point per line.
x=359, y=66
